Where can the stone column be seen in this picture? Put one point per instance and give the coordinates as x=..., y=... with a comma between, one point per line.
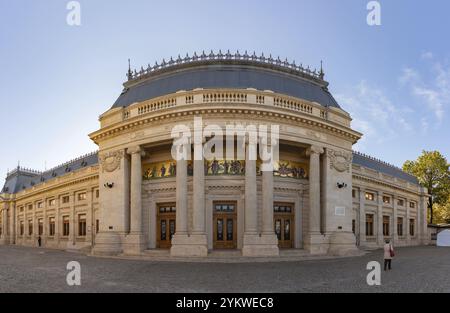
x=380, y=237
x=314, y=241
x=362, y=217
x=73, y=227
x=180, y=240
x=134, y=241
x=422, y=216
x=4, y=224
x=34, y=223
x=44, y=223
x=251, y=214
x=408, y=217
x=253, y=244
x=395, y=217
x=266, y=243
x=198, y=238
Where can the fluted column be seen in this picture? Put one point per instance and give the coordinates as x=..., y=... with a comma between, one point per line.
x=408, y=222
x=380, y=236
x=136, y=190
x=314, y=189
x=183, y=243
x=198, y=191
x=362, y=217
x=267, y=197
x=395, y=218
x=251, y=214
x=264, y=243
x=181, y=192
x=134, y=243
x=314, y=240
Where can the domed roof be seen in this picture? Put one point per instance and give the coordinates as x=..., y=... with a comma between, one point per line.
x=225, y=71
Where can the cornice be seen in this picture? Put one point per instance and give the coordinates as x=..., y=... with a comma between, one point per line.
x=304, y=119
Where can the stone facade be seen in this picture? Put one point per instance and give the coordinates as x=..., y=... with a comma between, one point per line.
x=134, y=200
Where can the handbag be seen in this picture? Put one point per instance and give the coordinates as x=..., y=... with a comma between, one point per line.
x=391, y=252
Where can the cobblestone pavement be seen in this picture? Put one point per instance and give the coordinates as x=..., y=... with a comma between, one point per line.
x=416, y=269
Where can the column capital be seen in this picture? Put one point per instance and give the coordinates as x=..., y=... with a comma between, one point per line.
x=135, y=149
x=314, y=149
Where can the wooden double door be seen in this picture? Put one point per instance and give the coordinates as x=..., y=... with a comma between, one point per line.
x=166, y=223
x=283, y=215
x=225, y=225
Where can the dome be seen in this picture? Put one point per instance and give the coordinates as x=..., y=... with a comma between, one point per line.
x=228, y=72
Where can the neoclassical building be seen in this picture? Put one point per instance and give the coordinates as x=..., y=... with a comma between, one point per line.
x=132, y=197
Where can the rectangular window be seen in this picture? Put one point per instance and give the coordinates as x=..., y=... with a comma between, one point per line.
x=52, y=202
x=82, y=196
x=97, y=226
x=21, y=209
x=386, y=226
x=65, y=199
x=51, y=226
x=40, y=205
x=353, y=226
x=22, y=228
x=30, y=207
x=66, y=226
x=400, y=226
x=97, y=193
x=30, y=227
x=412, y=205
x=400, y=202
x=370, y=196
x=369, y=224
x=40, y=227
x=353, y=193
x=386, y=199
x=411, y=227
x=82, y=225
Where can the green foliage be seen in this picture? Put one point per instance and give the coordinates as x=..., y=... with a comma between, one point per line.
x=432, y=170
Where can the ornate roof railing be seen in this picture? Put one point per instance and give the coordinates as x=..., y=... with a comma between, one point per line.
x=380, y=161
x=299, y=69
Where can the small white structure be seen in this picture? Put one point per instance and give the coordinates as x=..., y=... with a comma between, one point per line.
x=443, y=238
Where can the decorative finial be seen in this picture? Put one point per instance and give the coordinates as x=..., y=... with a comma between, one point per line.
x=130, y=73
x=321, y=73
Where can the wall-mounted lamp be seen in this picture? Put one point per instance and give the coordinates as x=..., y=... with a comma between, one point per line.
x=341, y=185
x=109, y=185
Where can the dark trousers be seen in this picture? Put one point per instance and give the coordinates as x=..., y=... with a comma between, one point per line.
x=387, y=264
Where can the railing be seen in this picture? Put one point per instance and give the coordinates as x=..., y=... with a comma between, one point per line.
x=293, y=105
x=156, y=106
x=225, y=97
x=137, y=74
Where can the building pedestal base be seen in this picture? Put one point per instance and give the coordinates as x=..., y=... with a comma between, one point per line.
x=342, y=243
x=134, y=244
x=264, y=245
x=107, y=243
x=184, y=245
x=315, y=243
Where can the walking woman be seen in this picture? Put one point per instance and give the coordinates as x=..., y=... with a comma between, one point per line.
x=388, y=255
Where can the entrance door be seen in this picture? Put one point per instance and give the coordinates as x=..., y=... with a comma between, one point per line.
x=284, y=224
x=224, y=219
x=165, y=225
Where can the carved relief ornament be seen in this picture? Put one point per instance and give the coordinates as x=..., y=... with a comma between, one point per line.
x=111, y=161
x=340, y=160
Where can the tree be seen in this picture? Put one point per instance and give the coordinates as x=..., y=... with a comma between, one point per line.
x=442, y=212
x=432, y=170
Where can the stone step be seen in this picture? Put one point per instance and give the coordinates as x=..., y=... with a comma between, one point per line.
x=157, y=252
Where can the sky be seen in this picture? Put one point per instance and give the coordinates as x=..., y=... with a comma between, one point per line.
x=393, y=78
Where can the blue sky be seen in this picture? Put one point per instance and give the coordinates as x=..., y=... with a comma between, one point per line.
x=57, y=79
